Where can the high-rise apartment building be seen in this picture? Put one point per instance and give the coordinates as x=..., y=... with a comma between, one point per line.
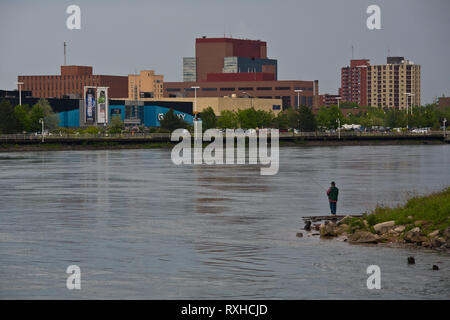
x=146, y=84
x=395, y=84
x=71, y=83
x=354, y=82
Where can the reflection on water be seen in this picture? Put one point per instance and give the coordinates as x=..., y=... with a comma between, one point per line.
x=140, y=227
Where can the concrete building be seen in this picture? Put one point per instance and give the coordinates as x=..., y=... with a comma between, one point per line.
x=395, y=84
x=219, y=104
x=146, y=84
x=71, y=83
x=284, y=90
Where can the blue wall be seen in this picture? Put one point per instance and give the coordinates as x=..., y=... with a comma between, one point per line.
x=69, y=118
x=147, y=114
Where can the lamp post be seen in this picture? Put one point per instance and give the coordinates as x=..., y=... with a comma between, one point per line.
x=339, y=128
x=298, y=97
x=19, y=84
x=407, y=109
x=195, y=102
x=445, y=121
x=41, y=121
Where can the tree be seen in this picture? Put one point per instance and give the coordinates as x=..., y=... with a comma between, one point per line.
x=42, y=109
x=327, y=117
x=307, y=120
x=247, y=118
x=116, y=125
x=209, y=119
x=281, y=121
x=8, y=120
x=227, y=120
x=23, y=118
x=171, y=121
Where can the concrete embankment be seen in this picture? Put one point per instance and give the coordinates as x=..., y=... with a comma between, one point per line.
x=128, y=141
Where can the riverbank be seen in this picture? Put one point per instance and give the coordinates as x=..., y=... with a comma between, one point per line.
x=58, y=144
x=422, y=222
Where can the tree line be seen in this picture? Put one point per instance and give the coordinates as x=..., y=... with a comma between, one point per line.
x=23, y=118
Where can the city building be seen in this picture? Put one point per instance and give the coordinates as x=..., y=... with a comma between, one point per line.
x=238, y=67
x=284, y=90
x=328, y=99
x=395, y=84
x=354, y=82
x=145, y=85
x=219, y=104
x=443, y=102
x=71, y=83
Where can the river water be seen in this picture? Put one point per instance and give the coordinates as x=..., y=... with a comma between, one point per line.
x=140, y=227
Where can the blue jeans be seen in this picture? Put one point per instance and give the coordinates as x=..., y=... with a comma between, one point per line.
x=333, y=207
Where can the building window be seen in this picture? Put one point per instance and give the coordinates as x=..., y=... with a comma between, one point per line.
x=209, y=89
x=246, y=89
x=227, y=89
x=264, y=88
x=173, y=89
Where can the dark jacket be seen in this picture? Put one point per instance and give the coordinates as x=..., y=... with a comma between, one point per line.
x=332, y=194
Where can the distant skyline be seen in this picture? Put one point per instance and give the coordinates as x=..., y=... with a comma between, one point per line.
x=311, y=39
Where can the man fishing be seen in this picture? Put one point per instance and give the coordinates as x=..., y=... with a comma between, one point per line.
x=332, y=194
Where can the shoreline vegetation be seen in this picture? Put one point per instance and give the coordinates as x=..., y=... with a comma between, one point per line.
x=422, y=222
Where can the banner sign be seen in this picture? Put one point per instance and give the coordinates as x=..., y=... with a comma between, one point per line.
x=90, y=104
x=102, y=105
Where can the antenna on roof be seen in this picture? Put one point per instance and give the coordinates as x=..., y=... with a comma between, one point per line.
x=65, y=45
x=389, y=52
x=352, y=52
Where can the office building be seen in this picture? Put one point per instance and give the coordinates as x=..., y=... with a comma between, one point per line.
x=146, y=84
x=71, y=83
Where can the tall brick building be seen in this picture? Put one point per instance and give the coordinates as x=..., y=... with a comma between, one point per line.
x=240, y=68
x=354, y=82
x=71, y=82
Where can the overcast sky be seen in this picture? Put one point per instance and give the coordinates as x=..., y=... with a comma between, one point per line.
x=311, y=39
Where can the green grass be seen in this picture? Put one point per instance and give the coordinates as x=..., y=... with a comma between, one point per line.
x=433, y=208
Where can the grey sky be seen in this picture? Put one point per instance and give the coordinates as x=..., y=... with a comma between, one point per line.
x=311, y=39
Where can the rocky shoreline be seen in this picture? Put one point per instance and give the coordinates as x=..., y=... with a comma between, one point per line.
x=358, y=231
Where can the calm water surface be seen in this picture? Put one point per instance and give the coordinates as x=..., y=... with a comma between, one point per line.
x=140, y=227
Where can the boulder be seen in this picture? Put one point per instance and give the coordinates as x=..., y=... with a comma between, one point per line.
x=342, y=229
x=415, y=237
x=328, y=230
x=299, y=235
x=446, y=233
x=399, y=229
x=344, y=220
x=437, y=242
x=384, y=226
x=416, y=229
x=364, y=237
x=434, y=234
x=411, y=260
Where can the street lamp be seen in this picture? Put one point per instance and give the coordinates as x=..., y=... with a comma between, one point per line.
x=298, y=97
x=445, y=121
x=338, y=98
x=339, y=128
x=41, y=121
x=195, y=102
x=407, y=111
x=20, y=92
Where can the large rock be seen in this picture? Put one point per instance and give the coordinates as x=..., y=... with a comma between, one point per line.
x=328, y=230
x=384, y=226
x=415, y=236
x=364, y=237
x=344, y=220
x=446, y=233
x=437, y=242
x=434, y=234
x=399, y=229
